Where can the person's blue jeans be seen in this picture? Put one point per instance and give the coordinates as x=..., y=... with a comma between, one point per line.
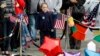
x=32, y=28
x=24, y=32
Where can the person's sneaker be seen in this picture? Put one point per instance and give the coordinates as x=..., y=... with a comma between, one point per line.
x=23, y=50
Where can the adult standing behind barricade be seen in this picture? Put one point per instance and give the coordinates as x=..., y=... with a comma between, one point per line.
x=74, y=44
x=5, y=44
x=1, y=24
x=31, y=10
x=14, y=40
x=19, y=11
x=6, y=8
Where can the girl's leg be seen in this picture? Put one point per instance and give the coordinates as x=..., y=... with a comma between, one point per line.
x=42, y=34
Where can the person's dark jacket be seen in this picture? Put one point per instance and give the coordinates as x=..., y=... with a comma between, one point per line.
x=45, y=21
x=75, y=15
x=2, y=10
x=79, y=15
x=67, y=3
x=31, y=6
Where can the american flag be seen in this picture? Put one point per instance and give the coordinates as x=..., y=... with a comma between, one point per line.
x=12, y=18
x=91, y=18
x=60, y=21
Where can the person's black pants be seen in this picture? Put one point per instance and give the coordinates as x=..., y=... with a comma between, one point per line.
x=15, y=40
x=52, y=34
x=6, y=31
x=74, y=44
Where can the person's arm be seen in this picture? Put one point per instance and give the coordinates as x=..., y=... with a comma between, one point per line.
x=58, y=5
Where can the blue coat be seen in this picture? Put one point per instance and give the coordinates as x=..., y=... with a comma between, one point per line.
x=45, y=21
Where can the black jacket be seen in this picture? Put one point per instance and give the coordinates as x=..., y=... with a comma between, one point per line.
x=2, y=10
x=76, y=15
x=66, y=3
x=45, y=21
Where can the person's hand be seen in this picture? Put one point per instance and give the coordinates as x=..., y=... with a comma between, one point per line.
x=3, y=5
x=17, y=5
x=73, y=1
x=17, y=20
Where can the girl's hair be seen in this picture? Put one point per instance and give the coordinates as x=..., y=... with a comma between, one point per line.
x=43, y=4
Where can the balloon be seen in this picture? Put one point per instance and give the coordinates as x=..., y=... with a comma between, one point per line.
x=97, y=38
x=93, y=48
x=79, y=34
x=72, y=54
x=51, y=47
x=90, y=53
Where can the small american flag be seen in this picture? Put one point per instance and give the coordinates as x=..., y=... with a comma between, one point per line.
x=12, y=18
x=60, y=21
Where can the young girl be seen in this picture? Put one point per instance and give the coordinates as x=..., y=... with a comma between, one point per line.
x=45, y=22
